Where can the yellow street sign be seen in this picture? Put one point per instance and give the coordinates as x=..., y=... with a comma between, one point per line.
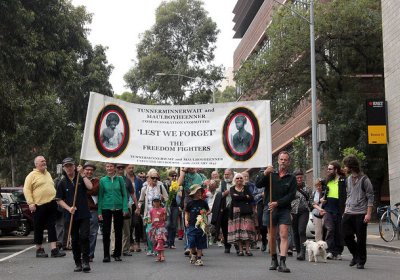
x=377, y=134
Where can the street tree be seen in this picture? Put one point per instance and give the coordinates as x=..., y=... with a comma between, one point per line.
x=181, y=45
x=229, y=94
x=349, y=65
x=133, y=98
x=48, y=67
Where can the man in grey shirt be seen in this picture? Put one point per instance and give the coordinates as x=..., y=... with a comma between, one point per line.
x=357, y=214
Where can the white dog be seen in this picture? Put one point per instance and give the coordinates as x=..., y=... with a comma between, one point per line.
x=315, y=249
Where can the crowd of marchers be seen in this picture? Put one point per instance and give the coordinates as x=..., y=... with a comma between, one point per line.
x=136, y=212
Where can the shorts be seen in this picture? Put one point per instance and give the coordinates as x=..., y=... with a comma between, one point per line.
x=280, y=216
x=196, y=238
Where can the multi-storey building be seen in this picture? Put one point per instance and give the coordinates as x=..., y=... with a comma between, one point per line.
x=252, y=18
x=391, y=46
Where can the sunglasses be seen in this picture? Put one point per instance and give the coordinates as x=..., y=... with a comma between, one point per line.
x=120, y=167
x=142, y=177
x=240, y=178
x=174, y=176
x=153, y=178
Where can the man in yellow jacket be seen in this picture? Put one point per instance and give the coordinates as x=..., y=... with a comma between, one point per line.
x=40, y=195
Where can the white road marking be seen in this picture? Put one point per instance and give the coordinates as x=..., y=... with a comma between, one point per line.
x=17, y=253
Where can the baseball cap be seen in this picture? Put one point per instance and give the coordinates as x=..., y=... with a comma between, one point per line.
x=67, y=160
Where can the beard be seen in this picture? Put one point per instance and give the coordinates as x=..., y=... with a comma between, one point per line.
x=228, y=180
x=331, y=176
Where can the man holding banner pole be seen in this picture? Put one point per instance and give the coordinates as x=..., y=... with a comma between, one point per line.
x=280, y=190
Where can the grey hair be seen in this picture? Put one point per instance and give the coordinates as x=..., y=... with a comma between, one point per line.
x=35, y=160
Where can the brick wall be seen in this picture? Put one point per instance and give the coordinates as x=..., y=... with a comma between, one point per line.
x=391, y=47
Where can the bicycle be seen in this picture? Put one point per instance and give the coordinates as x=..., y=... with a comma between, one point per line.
x=389, y=223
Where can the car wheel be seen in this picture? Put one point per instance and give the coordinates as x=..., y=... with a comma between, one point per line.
x=23, y=230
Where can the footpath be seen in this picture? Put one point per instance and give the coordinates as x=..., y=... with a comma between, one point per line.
x=374, y=240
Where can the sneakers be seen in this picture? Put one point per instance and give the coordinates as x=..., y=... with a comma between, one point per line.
x=220, y=244
x=338, y=257
x=353, y=262
x=193, y=259
x=85, y=267
x=149, y=253
x=78, y=267
x=40, y=253
x=199, y=263
x=55, y=253
x=329, y=256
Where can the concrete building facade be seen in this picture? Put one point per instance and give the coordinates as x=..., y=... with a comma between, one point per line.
x=391, y=47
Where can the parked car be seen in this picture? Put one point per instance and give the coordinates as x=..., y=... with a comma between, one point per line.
x=16, y=195
x=11, y=217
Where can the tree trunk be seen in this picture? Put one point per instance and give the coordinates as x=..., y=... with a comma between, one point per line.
x=12, y=171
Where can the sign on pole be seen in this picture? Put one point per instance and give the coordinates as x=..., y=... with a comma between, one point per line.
x=376, y=121
x=221, y=135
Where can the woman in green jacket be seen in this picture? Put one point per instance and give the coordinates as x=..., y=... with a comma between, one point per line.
x=112, y=204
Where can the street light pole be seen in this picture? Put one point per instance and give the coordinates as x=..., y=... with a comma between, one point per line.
x=314, y=134
x=315, y=152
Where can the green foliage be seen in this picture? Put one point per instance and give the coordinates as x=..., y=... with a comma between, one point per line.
x=48, y=67
x=181, y=44
x=348, y=45
x=353, y=151
x=300, y=159
x=133, y=98
x=229, y=94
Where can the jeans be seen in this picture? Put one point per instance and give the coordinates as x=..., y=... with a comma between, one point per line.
x=60, y=227
x=262, y=228
x=94, y=228
x=80, y=240
x=172, y=222
x=332, y=223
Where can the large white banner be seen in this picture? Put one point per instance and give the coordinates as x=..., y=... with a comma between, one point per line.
x=222, y=135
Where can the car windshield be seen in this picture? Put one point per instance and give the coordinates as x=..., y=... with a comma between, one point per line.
x=5, y=201
x=18, y=197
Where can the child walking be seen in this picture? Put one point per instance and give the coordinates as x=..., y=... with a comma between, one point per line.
x=197, y=238
x=149, y=249
x=158, y=216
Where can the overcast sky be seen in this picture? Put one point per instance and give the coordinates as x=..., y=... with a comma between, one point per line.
x=118, y=23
